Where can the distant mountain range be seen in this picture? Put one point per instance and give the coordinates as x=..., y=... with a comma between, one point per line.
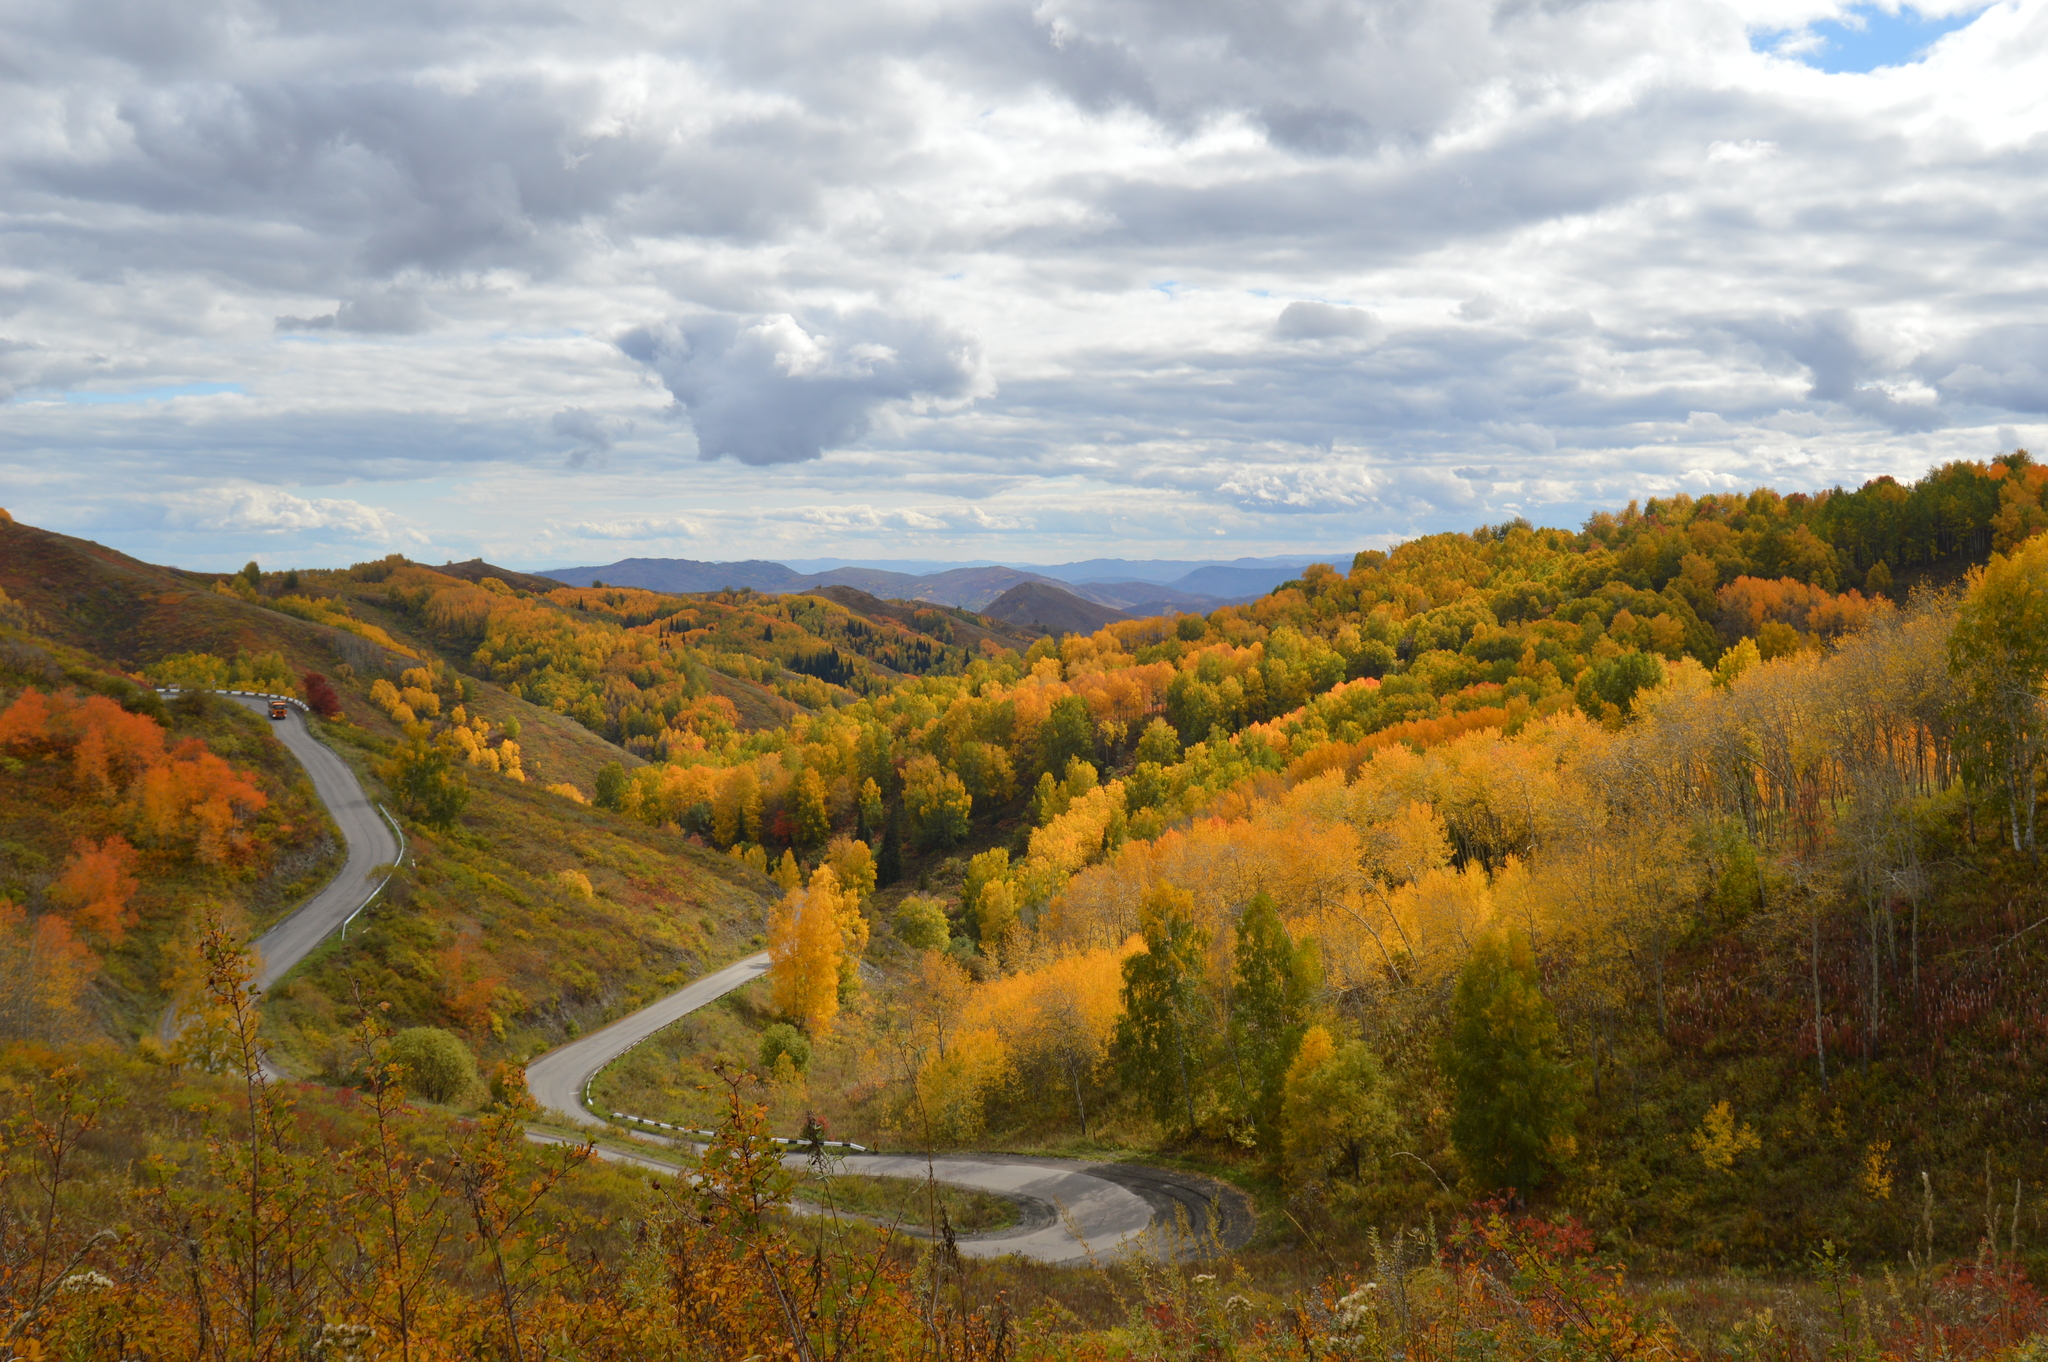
x=1160, y=571
x=1051, y=608
x=1129, y=587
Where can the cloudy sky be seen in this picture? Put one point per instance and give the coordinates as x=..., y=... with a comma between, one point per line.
x=563, y=283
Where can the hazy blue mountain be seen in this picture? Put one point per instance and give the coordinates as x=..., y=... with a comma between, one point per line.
x=1163, y=571
x=915, y=567
x=1172, y=572
x=1149, y=598
x=683, y=574
x=969, y=588
x=1131, y=586
x=1239, y=581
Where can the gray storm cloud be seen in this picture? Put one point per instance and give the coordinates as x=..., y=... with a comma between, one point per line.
x=769, y=390
x=2004, y=368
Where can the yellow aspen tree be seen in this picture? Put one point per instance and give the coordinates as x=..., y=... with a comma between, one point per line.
x=1301, y=1158
x=996, y=915
x=982, y=870
x=844, y=905
x=736, y=808
x=726, y=828
x=1334, y=1108
x=1998, y=654
x=750, y=803
x=854, y=864
x=812, y=807
x=952, y=1088
x=872, y=812
x=804, y=951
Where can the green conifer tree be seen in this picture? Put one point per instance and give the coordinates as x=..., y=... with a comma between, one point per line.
x=889, y=862
x=1158, y=1036
x=1271, y=994
x=1514, y=1096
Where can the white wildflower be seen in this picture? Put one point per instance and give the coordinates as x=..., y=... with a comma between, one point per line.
x=1353, y=1309
x=344, y=1342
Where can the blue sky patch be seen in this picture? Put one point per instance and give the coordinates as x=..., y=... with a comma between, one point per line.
x=1865, y=39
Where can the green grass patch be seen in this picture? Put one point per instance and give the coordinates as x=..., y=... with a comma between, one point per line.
x=672, y=1076
x=915, y=1203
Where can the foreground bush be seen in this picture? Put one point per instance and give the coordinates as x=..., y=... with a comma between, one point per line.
x=436, y=1063
x=373, y=1230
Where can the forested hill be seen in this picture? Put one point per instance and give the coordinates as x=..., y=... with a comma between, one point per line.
x=1668, y=887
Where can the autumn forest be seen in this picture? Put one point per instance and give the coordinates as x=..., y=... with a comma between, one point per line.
x=1615, y=941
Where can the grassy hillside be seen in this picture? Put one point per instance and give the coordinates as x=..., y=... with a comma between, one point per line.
x=530, y=920
x=482, y=932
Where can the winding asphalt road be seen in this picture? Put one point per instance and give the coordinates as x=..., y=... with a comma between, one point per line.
x=370, y=838
x=1072, y=1211
x=557, y=1079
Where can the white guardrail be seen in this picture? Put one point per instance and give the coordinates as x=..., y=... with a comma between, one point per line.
x=294, y=701
x=386, y=880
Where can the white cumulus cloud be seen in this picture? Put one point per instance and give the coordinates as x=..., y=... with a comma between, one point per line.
x=270, y=511
x=631, y=528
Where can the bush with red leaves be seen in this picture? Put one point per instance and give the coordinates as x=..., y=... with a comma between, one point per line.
x=1563, y=1240
x=320, y=695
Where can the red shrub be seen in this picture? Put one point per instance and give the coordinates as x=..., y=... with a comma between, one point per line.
x=320, y=695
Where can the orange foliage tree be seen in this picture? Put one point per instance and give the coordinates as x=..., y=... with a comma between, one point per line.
x=96, y=886
x=108, y=746
x=196, y=795
x=183, y=794
x=470, y=989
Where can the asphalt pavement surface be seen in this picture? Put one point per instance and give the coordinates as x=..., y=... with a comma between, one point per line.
x=372, y=842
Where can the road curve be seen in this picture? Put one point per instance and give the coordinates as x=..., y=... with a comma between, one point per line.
x=370, y=839
x=1074, y=1211
x=557, y=1078
x=1089, y=1215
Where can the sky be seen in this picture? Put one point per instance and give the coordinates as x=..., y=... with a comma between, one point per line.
x=560, y=283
